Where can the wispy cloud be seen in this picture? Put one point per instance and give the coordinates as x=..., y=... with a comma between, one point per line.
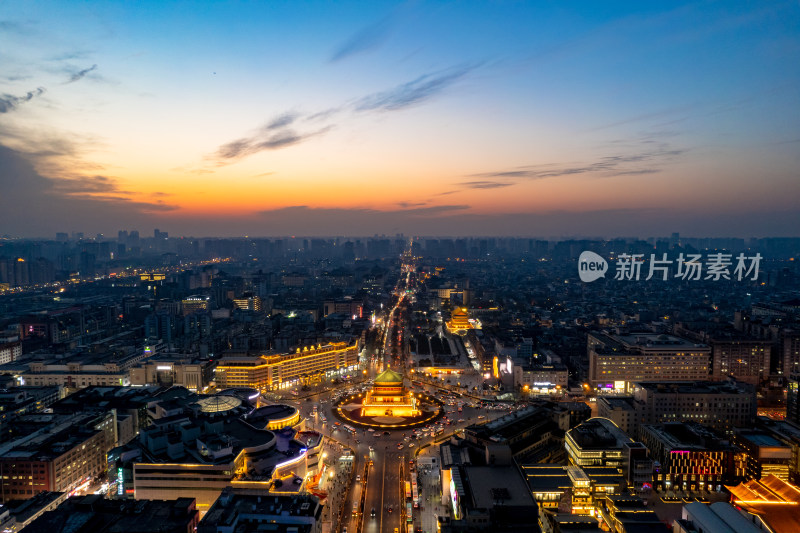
x=266, y=139
x=9, y=102
x=281, y=121
x=17, y=77
x=605, y=167
x=426, y=211
x=485, y=184
x=285, y=129
x=638, y=172
x=86, y=185
x=414, y=92
x=81, y=74
x=10, y=26
x=274, y=135
x=364, y=40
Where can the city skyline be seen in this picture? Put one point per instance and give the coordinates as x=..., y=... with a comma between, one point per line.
x=428, y=119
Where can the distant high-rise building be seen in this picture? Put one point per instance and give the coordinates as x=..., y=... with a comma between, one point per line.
x=790, y=344
x=793, y=398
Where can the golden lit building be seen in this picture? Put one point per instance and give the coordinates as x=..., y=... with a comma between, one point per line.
x=459, y=320
x=774, y=501
x=194, y=304
x=388, y=397
x=271, y=372
x=248, y=303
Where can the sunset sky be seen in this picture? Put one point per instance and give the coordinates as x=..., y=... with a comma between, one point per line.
x=428, y=118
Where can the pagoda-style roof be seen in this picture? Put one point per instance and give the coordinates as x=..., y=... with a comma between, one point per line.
x=388, y=376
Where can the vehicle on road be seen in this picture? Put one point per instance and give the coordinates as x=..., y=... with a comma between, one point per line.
x=372, y=513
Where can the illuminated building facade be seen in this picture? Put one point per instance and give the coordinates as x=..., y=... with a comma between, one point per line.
x=272, y=372
x=617, y=361
x=691, y=458
x=388, y=397
x=346, y=307
x=10, y=351
x=248, y=303
x=720, y=405
x=540, y=379
x=745, y=359
x=169, y=370
x=59, y=457
x=764, y=454
x=586, y=487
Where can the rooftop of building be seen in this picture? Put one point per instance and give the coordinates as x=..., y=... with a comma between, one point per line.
x=544, y=367
x=45, y=436
x=194, y=442
x=573, y=523
x=232, y=505
x=547, y=477
x=511, y=426
x=689, y=436
x=657, y=340
x=218, y=403
x=262, y=416
x=550, y=477
x=388, y=377
x=692, y=387
x=760, y=438
x=623, y=403
x=490, y=486
x=599, y=433
x=782, y=428
x=23, y=510
x=116, y=397
x=90, y=514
